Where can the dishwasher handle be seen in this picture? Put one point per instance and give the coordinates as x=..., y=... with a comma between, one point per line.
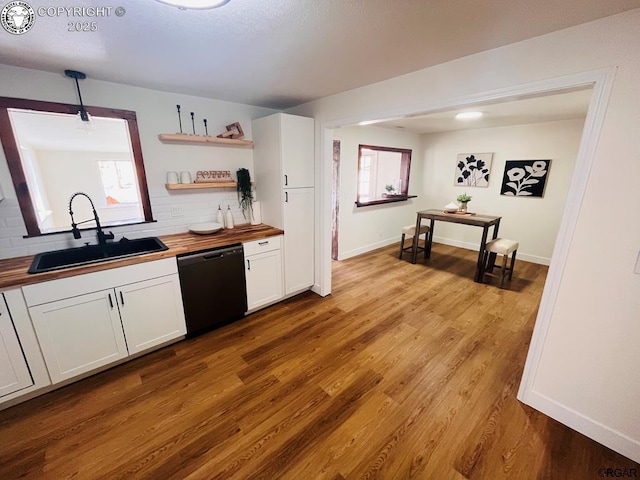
x=213, y=255
x=210, y=255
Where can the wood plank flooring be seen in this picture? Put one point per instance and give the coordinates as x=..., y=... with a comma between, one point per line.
x=404, y=372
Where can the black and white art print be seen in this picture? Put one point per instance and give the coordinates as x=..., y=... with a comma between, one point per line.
x=472, y=169
x=525, y=178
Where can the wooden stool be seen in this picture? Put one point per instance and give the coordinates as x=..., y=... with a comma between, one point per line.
x=410, y=230
x=504, y=247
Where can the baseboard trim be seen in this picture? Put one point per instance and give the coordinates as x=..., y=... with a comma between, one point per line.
x=608, y=437
x=317, y=289
x=475, y=246
x=367, y=248
x=445, y=241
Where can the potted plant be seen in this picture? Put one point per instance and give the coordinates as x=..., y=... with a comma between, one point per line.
x=391, y=190
x=245, y=193
x=463, y=199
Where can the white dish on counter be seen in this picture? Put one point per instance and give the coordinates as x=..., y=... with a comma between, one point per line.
x=206, y=228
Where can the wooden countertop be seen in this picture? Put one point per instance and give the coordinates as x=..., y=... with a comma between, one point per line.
x=13, y=271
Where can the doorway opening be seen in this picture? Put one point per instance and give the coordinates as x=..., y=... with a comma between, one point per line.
x=601, y=81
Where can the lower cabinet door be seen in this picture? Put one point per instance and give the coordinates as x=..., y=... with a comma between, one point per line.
x=263, y=273
x=14, y=373
x=151, y=312
x=79, y=334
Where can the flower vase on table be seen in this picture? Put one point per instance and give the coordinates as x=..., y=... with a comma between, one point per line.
x=463, y=199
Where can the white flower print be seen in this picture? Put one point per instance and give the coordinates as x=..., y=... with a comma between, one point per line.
x=522, y=179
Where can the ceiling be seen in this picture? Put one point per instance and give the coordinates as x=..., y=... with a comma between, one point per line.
x=566, y=105
x=281, y=53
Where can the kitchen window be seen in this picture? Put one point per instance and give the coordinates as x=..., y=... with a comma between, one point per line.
x=50, y=157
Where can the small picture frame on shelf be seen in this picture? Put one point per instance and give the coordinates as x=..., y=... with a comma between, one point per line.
x=233, y=131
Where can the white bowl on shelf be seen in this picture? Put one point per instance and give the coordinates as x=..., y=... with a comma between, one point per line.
x=206, y=228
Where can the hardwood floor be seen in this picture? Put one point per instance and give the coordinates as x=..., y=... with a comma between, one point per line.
x=405, y=371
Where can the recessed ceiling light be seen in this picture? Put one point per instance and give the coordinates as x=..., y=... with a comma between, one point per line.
x=468, y=115
x=194, y=4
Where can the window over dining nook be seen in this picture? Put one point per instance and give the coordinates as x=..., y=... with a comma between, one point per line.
x=383, y=175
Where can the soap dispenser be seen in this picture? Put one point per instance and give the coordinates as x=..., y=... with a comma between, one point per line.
x=220, y=216
x=229, y=217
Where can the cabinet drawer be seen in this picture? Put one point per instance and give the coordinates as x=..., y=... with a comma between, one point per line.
x=264, y=245
x=53, y=290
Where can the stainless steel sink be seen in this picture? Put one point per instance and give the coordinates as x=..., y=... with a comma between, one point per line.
x=73, y=257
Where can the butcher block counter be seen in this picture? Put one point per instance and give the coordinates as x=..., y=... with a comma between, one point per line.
x=13, y=271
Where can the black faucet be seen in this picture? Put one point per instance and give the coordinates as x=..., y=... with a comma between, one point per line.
x=102, y=237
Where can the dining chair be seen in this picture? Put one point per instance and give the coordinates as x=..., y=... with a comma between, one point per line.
x=409, y=231
x=504, y=247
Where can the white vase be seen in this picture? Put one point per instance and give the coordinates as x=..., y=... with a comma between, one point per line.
x=229, y=223
x=256, y=217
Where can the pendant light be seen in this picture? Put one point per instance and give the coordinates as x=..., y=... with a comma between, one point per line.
x=83, y=115
x=194, y=4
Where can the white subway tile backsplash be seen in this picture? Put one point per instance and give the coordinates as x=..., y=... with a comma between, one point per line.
x=14, y=222
x=198, y=206
x=161, y=201
x=13, y=233
x=13, y=252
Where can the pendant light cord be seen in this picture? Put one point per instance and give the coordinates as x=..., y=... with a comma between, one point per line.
x=83, y=113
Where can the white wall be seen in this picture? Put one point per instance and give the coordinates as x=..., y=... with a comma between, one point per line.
x=583, y=364
x=533, y=222
x=156, y=113
x=366, y=228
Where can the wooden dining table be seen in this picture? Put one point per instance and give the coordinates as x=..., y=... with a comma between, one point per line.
x=473, y=219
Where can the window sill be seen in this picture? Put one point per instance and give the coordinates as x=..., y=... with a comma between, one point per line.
x=389, y=199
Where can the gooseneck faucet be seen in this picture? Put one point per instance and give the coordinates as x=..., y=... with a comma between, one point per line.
x=102, y=237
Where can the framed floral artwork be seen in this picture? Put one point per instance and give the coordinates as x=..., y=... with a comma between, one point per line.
x=525, y=178
x=472, y=169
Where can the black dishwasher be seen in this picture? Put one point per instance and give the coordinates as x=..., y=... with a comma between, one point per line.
x=213, y=287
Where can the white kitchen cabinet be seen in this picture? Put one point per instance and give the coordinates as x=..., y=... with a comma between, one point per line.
x=22, y=368
x=298, y=239
x=79, y=334
x=283, y=159
x=89, y=321
x=263, y=272
x=151, y=312
x=14, y=372
x=297, y=150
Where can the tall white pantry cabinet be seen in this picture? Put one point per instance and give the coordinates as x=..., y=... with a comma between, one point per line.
x=283, y=156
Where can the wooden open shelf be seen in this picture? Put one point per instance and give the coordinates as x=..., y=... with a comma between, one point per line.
x=190, y=186
x=203, y=140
